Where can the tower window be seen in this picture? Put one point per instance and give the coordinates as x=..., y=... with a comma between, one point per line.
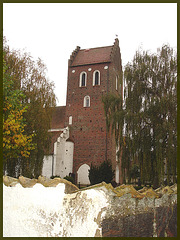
x=86, y=101
x=70, y=120
x=83, y=78
x=96, y=78
x=83, y=83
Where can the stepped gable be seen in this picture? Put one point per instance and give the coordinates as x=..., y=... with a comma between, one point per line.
x=116, y=54
x=73, y=55
x=92, y=56
x=114, y=48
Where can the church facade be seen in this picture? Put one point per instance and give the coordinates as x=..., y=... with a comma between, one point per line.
x=79, y=129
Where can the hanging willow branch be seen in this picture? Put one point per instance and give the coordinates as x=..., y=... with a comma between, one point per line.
x=146, y=127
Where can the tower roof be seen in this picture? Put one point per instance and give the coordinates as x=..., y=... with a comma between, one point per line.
x=93, y=55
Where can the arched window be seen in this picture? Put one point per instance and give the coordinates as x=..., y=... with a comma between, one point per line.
x=96, y=78
x=82, y=174
x=86, y=101
x=82, y=80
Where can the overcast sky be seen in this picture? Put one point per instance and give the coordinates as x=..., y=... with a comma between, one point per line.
x=52, y=31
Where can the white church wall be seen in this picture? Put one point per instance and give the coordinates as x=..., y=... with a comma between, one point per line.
x=55, y=152
x=64, y=155
x=68, y=158
x=83, y=173
x=61, y=163
x=60, y=157
x=49, y=163
x=47, y=166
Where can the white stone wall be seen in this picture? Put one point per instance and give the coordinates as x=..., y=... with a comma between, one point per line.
x=49, y=212
x=47, y=166
x=98, y=211
x=68, y=158
x=62, y=158
x=64, y=155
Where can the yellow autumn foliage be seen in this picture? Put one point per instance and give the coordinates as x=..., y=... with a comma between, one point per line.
x=15, y=143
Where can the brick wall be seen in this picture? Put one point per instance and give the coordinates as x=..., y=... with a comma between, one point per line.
x=88, y=129
x=141, y=218
x=92, y=142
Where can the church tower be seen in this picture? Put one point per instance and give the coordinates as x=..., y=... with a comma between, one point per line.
x=92, y=73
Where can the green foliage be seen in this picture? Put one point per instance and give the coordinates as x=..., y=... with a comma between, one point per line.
x=57, y=176
x=94, y=175
x=138, y=187
x=70, y=179
x=16, y=143
x=28, y=82
x=148, y=117
x=114, y=114
x=98, y=174
x=134, y=171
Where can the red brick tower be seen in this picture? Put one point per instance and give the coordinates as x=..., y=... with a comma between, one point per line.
x=92, y=73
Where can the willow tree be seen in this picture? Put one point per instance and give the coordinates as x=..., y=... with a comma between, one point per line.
x=148, y=117
x=30, y=77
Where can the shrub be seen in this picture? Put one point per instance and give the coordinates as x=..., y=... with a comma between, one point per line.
x=70, y=179
x=52, y=177
x=98, y=174
x=134, y=172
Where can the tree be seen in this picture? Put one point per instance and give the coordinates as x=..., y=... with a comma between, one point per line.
x=134, y=171
x=98, y=174
x=149, y=115
x=29, y=76
x=16, y=143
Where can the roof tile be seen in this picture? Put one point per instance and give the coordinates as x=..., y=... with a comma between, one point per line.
x=92, y=56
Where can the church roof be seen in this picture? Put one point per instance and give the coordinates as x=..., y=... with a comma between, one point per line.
x=58, y=117
x=92, y=56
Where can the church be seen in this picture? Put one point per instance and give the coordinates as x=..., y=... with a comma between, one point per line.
x=78, y=130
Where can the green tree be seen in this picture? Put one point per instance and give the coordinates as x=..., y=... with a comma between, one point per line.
x=29, y=76
x=98, y=174
x=149, y=115
x=134, y=172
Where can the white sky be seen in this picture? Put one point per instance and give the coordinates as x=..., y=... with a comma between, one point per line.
x=52, y=31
